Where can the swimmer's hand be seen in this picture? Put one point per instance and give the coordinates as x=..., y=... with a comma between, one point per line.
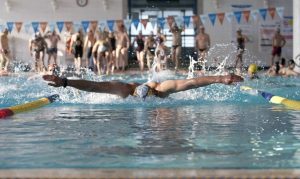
x=232, y=78
x=55, y=80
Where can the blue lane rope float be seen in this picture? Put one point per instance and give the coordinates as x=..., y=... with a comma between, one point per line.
x=293, y=104
x=27, y=106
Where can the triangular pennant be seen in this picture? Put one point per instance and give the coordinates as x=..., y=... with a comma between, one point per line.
x=221, y=17
x=203, y=18
x=144, y=22
x=60, y=26
x=10, y=26
x=263, y=13
x=27, y=28
x=212, y=18
x=136, y=23
x=93, y=25
x=43, y=26
x=161, y=22
x=153, y=22
x=35, y=26
x=186, y=20
x=280, y=11
x=254, y=14
x=85, y=25
x=127, y=23
x=229, y=16
x=69, y=26
x=18, y=26
x=111, y=24
x=179, y=20
x=272, y=12
x=51, y=26
x=246, y=15
x=77, y=26
x=238, y=16
x=196, y=20
x=170, y=20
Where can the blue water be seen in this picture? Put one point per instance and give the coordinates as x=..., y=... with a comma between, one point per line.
x=212, y=127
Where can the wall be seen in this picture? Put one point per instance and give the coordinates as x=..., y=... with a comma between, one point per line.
x=42, y=10
x=223, y=33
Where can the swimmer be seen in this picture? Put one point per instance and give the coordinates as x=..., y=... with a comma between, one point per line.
x=252, y=71
x=162, y=90
x=289, y=71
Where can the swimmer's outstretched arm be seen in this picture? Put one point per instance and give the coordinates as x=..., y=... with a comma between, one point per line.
x=173, y=86
x=111, y=87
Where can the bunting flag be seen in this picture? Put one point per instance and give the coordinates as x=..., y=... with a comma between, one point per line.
x=196, y=21
x=69, y=26
x=161, y=22
x=85, y=25
x=144, y=22
x=179, y=21
x=229, y=16
x=263, y=13
x=153, y=22
x=35, y=26
x=10, y=26
x=280, y=12
x=51, y=26
x=238, y=16
x=60, y=26
x=43, y=26
x=254, y=14
x=246, y=15
x=187, y=20
x=212, y=18
x=221, y=17
x=27, y=28
x=127, y=23
x=18, y=26
x=77, y=26
x=136, y=23
x=170, y=20
x=111, y=24
x=203, y=18
x=272, y=12
x=93, y=25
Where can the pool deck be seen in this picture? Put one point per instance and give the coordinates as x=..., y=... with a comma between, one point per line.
x=150, y=173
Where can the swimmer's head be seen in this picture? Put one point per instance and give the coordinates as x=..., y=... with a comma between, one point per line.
x=239, y=30
x=291, y=64
x=252, y=69
x=142, y=91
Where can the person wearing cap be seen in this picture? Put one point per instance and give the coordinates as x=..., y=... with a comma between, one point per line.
x=252, y=71
x=241, y=40
x=278, y=42
x=202, y=43
x=37, y=48
x=123, y=44
x=162, y=89
x=176, y=44
x=4, y=51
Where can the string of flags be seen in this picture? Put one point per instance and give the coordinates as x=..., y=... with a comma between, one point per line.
x=160, y=22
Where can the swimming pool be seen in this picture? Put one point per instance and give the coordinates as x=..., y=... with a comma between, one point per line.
x=213, y=127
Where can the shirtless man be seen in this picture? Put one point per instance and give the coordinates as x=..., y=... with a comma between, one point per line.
x=52, y=51
x=37, y=48
x=241, y=41
x=150, y=49
x=202, y=43
x=4, y=51
x=278, y=42
x=123, y=43
x=162, y=89
x=89, y=42
x=176, y=44
x=161, y=55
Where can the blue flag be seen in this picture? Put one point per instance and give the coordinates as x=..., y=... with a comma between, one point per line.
x=85, y=25
x=238, y=16
x=60, y=26
x=161, y=22
x=212, y=18
x=110, y=24
x=187, y=20
x=35, y=26
x=136, y=23
x=10, y=26
x=263, y=13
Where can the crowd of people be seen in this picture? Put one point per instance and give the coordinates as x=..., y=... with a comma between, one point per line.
x=107, y=51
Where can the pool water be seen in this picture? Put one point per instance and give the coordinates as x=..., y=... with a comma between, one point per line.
x=211, y=127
